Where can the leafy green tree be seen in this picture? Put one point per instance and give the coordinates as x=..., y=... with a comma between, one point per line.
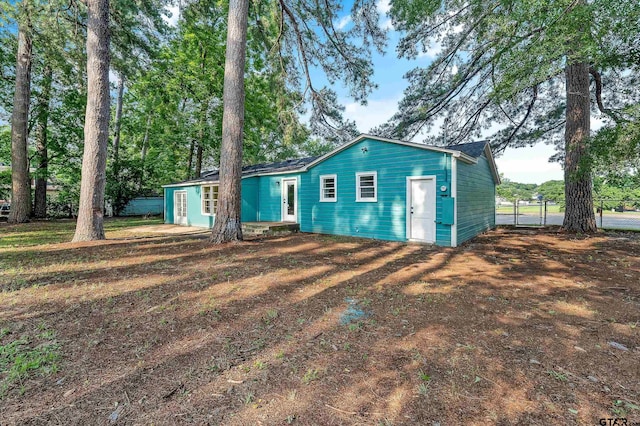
x=552, y=190
x=513, y=191
x=531, y=67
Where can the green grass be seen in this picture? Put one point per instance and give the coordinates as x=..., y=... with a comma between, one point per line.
x=59, y=231
x=528, y=209
x=27, y=356
x=535, y=209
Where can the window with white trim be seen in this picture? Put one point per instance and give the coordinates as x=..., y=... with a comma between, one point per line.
x=209, y=199
x=329, y=188
x=367, y=186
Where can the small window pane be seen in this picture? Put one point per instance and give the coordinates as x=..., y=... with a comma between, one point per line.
x=366, y=187
x=328, y=188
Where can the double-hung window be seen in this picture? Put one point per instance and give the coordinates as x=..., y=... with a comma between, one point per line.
x=209, y=199
x=329, y=188
x=367, y=187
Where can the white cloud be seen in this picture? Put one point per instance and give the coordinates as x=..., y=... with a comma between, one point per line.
x=173, y=20
x=375, y=113
x=384, y=7
x=431, y=52
x=454, y=70
x=530, y=164
x=343, y=22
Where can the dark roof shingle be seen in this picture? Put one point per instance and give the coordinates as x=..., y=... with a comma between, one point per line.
x=472, y=149
x=280, y=166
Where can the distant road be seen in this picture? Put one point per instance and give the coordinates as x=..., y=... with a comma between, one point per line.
x=629, y=220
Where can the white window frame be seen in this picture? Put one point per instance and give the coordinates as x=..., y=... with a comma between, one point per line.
x=359, y=199
x=323, y=199
x=214, y=201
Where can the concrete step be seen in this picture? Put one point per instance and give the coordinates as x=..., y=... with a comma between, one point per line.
x=268, y=228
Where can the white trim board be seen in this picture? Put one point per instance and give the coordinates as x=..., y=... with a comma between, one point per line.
x=454, y=195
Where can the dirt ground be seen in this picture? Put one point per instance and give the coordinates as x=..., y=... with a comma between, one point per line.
x=514, y=327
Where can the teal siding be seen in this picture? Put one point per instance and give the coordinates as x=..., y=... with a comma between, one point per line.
x=384, y=219
x=476, y=199
x=270, y=197
x=195, y=217
x=143, y=205
x=249, y=211
x=168, y=205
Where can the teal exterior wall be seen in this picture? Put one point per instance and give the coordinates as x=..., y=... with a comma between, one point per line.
x=144, y=205
x=476, y=199
x=249, y=191
x=194, y=206
x=195, y=217
x=270, y=197
x=386, y=218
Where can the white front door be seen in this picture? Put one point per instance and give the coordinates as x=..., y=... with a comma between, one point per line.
x=289, y=200
x=180, y=207
x=421, y=209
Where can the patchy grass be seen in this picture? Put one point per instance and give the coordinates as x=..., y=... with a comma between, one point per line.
x=25, y=355
x=514, y=327
x=61, y=231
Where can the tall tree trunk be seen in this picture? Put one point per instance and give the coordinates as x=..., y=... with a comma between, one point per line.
x=192, y=148
x=117, y=201
x=227, y=226
x=117, y=125
x=198, y=169
x=143, y=154
x=96, y=127
x=20, y=183
x=579, y=216
x=201, y=135
x=40, y=202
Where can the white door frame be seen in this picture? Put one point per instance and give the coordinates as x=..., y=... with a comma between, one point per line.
x=431, y=178
x=175, y=208
x=283, y=206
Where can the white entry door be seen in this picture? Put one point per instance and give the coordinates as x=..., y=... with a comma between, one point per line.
x=180, y=207
x=289, y=200
x=421, y=209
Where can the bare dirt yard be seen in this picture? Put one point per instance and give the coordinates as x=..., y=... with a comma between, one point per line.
x=514, y=327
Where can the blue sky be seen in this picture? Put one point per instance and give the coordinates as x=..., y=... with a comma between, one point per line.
x=526, y=165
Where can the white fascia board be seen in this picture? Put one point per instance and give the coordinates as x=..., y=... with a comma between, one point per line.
x=454, y=195
x=492, y=163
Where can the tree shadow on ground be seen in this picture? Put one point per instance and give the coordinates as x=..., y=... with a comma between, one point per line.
x=254, y=333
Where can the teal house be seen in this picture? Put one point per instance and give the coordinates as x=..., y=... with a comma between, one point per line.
x=371, y=187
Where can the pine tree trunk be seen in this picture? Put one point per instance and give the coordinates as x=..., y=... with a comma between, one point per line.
x=117, y=201
x=227, y=226
x=201, y=134
x=579, y=216
x=117, y=125
x=96, y=128
x=192, y=148
x=143, y=154
x=198, y=170
x=20, y=182
x=40, y=202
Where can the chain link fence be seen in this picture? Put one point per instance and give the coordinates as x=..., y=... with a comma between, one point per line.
x=610, y=214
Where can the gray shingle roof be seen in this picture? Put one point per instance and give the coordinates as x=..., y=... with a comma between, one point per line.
x=472, y=149
x=280, y=166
